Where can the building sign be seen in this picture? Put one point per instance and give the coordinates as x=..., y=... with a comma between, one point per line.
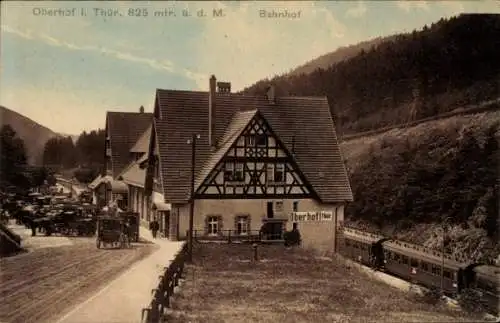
x=311, y=216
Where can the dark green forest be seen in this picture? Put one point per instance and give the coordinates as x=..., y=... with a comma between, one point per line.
x=14, y=169
x=441, y=172
x=451, y=64
x=86, y=154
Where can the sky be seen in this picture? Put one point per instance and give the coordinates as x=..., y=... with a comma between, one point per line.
x=66, y=71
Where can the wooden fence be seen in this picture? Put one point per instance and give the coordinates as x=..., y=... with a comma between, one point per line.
x=231, y=236
x=167, y=282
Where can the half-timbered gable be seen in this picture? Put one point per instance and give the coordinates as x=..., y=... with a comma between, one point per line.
x=254, y=164
x=252, y=161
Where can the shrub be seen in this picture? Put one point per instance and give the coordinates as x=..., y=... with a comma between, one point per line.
x=471, y=301
x=292, y=238
x=431, y=296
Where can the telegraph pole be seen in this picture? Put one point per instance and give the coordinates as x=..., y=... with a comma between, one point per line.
x=191, y=205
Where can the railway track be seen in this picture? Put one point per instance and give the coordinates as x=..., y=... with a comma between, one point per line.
x=62, y=277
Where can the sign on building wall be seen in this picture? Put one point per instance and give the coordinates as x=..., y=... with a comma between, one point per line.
x=311, y=216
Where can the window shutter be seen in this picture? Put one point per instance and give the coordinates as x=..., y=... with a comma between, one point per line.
x=236, y=219
x=206, y=225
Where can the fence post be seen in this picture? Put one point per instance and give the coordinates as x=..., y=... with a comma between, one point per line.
x=154, y=315
x=145, y=315
x=255, y=252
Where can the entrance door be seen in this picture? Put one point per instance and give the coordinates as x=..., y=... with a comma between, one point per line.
x=270, y=210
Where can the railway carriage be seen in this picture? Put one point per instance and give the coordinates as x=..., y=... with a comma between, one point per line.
x=485, y=279
x=421, y=265
x=358, y=245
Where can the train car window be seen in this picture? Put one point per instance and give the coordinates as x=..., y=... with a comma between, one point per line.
x=396, y=257
x=436, y=270
x=404, y=260
x=414, y=262
x=347, y=243
x=424, y=266
x=447, y=274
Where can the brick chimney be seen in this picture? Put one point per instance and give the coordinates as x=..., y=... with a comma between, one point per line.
x=211, y=111
x=271, y=95
x=141, y=109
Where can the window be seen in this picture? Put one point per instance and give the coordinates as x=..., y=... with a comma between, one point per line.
x=447, y=274
x=295, y=206
x=279, y=206
x=242, y=225
x=436, y=270
x=250, y=141
x=424, y=266
x=261, y=140
x=238, y=172
x=228, y=171
x=213, y=225
x=279, y=173
x=404, y=260
x=414, y=262
x=270, y=173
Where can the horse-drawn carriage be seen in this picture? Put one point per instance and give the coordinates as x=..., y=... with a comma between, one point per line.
x=66, y=221
x=112, y=231
x=132, y=221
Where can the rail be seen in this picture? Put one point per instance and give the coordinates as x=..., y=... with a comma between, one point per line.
x=491, y=105
x=166, y=285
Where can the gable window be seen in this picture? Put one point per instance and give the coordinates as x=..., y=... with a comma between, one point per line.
x=261, y=140
x=228, y=171
x=242, y=225
x=238, y=172
x=279, y=173
x=250, y=140
x=270, y=173
x=213, y=225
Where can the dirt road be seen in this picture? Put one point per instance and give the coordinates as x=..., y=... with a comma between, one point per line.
x=44, y=283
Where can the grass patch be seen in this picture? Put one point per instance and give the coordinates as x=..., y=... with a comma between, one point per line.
x=289, y=285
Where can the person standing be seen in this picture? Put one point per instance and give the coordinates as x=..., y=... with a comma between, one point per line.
x=155, y=226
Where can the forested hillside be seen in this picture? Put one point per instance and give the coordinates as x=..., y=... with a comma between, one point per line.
x=408, y=182
x=450, y=64
x=86, y=154
x=343, y=53
x=31, y=133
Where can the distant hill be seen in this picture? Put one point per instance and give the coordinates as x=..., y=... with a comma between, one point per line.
x=34, y=135
x=341, y=54
x=450, y=64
